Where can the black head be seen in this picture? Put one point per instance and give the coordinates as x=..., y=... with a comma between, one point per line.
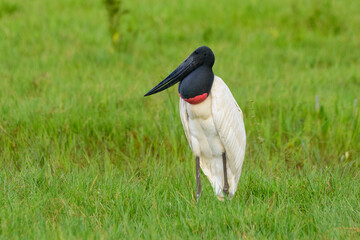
x=202, y=56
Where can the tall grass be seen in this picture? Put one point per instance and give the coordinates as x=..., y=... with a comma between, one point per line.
x=84, y=155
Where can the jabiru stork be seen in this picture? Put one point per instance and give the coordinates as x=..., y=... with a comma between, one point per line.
x=212, y=121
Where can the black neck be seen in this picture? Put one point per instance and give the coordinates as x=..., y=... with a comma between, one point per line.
x=197, y=82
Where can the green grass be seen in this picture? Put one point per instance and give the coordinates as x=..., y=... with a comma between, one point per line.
x=84, y=155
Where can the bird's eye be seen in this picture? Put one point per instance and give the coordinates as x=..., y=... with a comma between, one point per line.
x=196, y=52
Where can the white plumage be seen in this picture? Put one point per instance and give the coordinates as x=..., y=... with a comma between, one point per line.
x=213, y=127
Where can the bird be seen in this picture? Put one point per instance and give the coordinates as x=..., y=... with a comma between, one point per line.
x=212, y=120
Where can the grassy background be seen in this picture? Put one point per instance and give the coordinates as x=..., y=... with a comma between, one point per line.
x=84, y=155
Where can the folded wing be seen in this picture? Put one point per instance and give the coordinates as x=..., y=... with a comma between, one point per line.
x=228, y=120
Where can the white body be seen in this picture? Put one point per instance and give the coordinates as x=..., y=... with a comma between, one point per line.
x=212, y=127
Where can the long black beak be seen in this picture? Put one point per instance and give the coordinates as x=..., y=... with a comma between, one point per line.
x=177, y=75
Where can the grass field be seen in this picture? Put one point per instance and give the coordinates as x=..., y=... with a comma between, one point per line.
x=83, y=155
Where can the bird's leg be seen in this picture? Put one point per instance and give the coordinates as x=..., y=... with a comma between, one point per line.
x=198, y=180
x=226, y=184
